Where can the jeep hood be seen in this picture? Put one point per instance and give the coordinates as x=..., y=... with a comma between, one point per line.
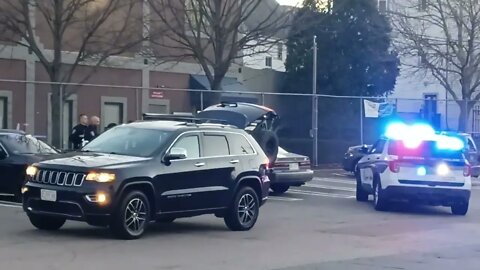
x=90, y=161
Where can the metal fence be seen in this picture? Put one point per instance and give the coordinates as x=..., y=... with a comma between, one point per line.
x=342, y=121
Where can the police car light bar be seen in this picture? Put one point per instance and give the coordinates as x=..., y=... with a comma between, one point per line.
x=413, y=135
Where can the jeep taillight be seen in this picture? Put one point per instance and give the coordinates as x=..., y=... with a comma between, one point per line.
x=467, y=170
x=393, y=166
x=265, y=167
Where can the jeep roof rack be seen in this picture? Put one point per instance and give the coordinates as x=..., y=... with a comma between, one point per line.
x=183, y=118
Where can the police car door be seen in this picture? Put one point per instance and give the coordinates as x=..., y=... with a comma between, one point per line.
x=367, y=164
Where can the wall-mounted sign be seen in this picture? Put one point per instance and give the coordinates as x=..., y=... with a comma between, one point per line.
x=156, y=94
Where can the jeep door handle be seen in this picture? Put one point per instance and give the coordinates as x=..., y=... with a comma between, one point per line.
x=235, y=161
x=200, y=164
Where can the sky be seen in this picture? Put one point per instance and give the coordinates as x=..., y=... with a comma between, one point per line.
x=290, y=2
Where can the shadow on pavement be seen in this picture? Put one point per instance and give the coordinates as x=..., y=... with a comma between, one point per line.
x=102, y=233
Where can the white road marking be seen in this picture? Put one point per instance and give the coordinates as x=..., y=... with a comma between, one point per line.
x=284, y=199
x=6, y=195
x=320, y=194
x=332, y=180
x=12, y=205
x=330, y=187
x=341, y=174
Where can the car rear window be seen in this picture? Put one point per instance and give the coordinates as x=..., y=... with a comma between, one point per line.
x=239, y=145
x=426, y=149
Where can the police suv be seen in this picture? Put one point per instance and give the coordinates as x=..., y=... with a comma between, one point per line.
x=417, y=164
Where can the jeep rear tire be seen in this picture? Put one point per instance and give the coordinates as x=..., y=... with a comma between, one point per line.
x=268, y=141
x=243, y=212
x=279, y=188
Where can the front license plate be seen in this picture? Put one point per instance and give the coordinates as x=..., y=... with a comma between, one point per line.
x=48, y=195
x=293, y=166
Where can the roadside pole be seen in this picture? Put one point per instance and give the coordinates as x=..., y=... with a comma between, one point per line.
x=315, y=105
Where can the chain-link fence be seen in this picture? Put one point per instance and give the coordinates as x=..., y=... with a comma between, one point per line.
x=342, y=121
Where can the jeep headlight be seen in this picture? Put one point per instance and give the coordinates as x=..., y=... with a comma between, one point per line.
x=100, y=177
x=31, y=171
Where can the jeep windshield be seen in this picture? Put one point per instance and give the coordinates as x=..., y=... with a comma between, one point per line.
x=129, y=141
x=426, y=149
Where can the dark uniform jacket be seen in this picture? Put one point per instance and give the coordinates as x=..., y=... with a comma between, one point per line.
x=92, y=133
x=79, y=132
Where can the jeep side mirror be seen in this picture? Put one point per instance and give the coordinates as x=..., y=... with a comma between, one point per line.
x=176, y=153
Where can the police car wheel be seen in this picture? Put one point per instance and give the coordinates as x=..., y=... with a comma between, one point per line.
x=460, y=209
x=380, y=203
x=361, y=194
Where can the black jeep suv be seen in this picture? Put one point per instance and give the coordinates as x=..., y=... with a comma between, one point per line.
x=151, y=171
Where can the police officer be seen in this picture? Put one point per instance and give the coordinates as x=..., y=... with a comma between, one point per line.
x=92, y=132
x=79, y=132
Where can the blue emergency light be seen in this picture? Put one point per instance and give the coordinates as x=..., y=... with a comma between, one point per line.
x=412, y=136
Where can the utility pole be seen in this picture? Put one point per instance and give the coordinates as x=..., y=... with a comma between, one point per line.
x=315, y=105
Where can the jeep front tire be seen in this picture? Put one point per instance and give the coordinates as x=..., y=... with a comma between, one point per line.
x=131, y=218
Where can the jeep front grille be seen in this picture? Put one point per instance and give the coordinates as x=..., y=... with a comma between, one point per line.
x=59, y=178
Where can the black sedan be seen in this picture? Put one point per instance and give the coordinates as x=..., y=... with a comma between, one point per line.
x=353, y=155
x=17, y=151
x=289, y=170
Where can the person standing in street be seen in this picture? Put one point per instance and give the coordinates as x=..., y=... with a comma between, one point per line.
x=79, y=132
x=92, y=131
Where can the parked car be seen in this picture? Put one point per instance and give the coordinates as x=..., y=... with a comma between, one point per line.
x=17, y=151
x=151, y=170
x=353, y=155
x=472, y=154
x=289, y=170
x=258, y=121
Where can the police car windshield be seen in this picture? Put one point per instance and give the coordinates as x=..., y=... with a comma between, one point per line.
x=426, y=149
x=25, y=144
x=129, y=141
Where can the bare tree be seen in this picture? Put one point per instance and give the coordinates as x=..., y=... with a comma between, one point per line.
x=89, y=30
x=217, y=33
x=445, y=36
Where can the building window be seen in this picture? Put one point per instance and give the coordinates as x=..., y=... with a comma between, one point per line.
x=422, y=5
x=422, y=60
x=158, y=108
x=195, y=18
x=430, y=105
x=112, y=113
x=3, y=112
x=280, y=51
x=382, y=6
x=268, y=61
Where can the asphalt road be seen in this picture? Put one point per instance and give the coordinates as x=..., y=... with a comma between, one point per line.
x=319, y=226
